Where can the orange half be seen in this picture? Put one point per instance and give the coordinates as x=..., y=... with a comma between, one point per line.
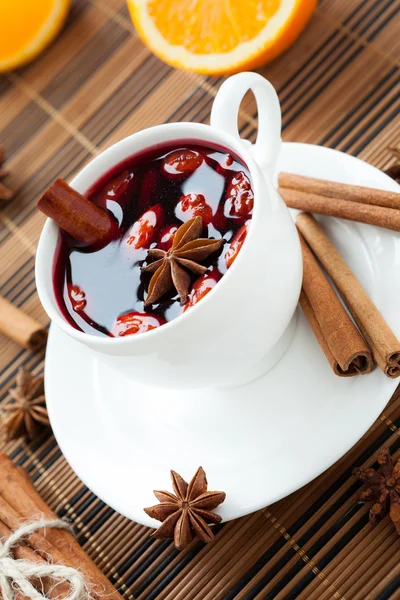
x=27, y=27
x=219, y=36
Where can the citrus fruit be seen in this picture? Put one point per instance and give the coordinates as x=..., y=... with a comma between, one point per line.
x=27, y=27
x=215, y=36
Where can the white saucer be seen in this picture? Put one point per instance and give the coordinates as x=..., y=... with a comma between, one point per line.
x=258, y=442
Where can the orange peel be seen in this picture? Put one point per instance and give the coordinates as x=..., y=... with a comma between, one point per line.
x=219, y=36
x=27, y=27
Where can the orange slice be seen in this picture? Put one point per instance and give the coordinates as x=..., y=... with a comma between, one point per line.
x=219, y=36
x=27, y=27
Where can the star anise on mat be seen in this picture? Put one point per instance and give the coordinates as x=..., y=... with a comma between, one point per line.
x=26, y=413
x=5, y=192
x=171, y=267
x=383, y=489
x=394, y=170
x=187, y=513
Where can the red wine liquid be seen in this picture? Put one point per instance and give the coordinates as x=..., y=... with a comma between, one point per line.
x=102, y=291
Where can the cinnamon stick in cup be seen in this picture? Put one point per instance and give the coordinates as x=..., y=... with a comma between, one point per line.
x=20, y=327
x=377, y=333
x=339, y=338
x=388, y=218
x=343, y=191
x=82, y=219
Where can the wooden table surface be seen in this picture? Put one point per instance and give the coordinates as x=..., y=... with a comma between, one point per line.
x=97, y=83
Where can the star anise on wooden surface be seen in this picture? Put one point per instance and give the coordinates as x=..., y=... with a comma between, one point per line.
x=5, y=192
x=187, y=513
x=383, y=489
x=394, y=170
x=171, y=268
x=25, y=414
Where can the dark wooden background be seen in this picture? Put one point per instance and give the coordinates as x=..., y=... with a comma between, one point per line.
x=97, y=83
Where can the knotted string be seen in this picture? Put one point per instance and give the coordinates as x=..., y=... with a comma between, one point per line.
x=15, y=574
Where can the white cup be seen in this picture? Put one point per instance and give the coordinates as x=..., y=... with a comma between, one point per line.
x=244, y=325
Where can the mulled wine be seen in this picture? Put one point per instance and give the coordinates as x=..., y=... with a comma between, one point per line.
x=172, y=220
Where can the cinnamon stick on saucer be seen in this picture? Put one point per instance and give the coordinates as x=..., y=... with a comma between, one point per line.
x=20, y=327
x=377, y=333
x=344, y=191
x=388, y=218
x=82, y=219
x=339, y=338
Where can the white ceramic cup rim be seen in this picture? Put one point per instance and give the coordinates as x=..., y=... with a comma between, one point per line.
x=47, y=296
x=223, y=132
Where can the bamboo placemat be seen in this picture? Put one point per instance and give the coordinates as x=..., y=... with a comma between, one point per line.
x=338, y=87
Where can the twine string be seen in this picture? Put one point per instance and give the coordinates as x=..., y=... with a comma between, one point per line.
x=16, y=574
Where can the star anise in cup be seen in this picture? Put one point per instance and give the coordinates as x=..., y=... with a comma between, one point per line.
x=25, y=414
x=383, y=489
x=172, y=267
x=5, y=192
x=187, y=513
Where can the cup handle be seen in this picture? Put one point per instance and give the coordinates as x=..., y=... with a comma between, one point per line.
x=225, y=110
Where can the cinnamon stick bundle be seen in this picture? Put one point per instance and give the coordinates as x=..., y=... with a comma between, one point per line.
x=20, y=327
x=82, y=219
x=339, y=338
x=377, y=333
x=29, y=553
x=344, y=191
x=388, y=218
x=19, y=497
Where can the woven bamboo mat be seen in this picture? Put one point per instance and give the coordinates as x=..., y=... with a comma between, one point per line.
x=98, y=83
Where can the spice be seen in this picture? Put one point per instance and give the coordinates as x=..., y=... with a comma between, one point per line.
x=383, y=489
x=25, y=552
x=339, y=338
x=187, y=513
x=394, y=170
x=387, y=218
x=26, y=413
x=338, y=191
x=171, y=267
x=376, y=332
x=5, y=192
x=81, y=218
x=56, y=579
x=54, y=545
x=20, y=327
